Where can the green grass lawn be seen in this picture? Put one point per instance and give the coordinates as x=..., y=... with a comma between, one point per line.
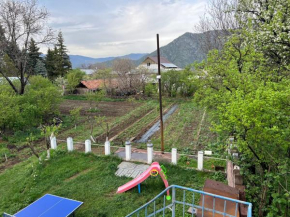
x=86, y=178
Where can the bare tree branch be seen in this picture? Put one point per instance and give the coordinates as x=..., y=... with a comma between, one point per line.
x=21, y=21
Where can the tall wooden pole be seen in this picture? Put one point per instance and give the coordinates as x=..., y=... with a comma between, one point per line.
x=160, y=96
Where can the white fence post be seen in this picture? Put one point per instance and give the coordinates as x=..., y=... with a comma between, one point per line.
x=174, y=156
x=200, y=160
x=107, y=147
x=70, y=144
x=149, y=152
x=53, y=143
x=128, y=150
x=207, y=152
x=88, y=146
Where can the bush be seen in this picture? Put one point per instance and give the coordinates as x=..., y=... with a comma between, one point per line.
x=150, y=90
x=181, y=83
x=39, y=103
x=74, y=77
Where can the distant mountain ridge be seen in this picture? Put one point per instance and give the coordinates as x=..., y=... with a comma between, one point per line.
x=182, y=51
x=78, y=60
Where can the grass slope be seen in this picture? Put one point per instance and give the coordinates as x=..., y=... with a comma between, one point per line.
x=85, y=178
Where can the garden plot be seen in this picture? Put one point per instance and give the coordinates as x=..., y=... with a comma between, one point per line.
x=181, y=130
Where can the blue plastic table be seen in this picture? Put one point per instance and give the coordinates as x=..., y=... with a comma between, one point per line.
x=50, y=206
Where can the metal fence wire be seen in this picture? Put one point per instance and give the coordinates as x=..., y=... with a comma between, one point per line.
x=190, y=202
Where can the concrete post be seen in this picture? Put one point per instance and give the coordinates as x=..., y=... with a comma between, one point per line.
x=53, y=143
x=208, y=152
x=149, y=152
x=174, y=156
x=200, y=160
x=107, y=147
x=88, y=146
x=70, y=144
x=128, y=150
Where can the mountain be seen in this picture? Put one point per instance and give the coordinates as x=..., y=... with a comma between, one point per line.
x=78, y=60
x=182, y=51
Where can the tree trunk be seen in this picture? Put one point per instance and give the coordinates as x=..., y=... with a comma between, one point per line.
x=11, y=84
x=48, y=154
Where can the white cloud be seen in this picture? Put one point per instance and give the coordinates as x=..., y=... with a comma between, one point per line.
x=102, y=29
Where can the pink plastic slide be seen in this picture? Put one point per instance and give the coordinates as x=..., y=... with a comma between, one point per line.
x=155, y=167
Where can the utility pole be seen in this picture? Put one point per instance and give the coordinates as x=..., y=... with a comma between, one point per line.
x=160, y=96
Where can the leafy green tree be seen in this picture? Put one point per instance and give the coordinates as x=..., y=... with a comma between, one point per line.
x=268, y=27
x=258, y=119
x=178, y=83
x=10, y=110
x=75, y=115
x=74, y=77
x=171, y=82
x=237, y=85
x=37, y=106
x=44, y=96
x=150, y=90
x=187, y=87
x=246, y=85
x=47, y=131
x=61, y=82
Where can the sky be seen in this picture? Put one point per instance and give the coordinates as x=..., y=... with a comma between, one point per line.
x=102, y=28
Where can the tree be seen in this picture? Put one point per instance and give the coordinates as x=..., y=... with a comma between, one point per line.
x=236, y=84
x=258, y=119
x=268, y=28
x=75, y=115
x=47, y=131
x=40, y=68
x=21, y=21
x=50, y=64
x=74, y=77
x=33, y=57
x=123, y=68
x=61, y=82
x=217, y=24
x=63, y=64
x=171, y=82
x=38, y=105
x=246, y=85
x=108, y=79
x=139, y=79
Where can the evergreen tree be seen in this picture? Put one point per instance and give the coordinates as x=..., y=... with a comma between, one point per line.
x=33, y=56
x=40, y=68
x=50, y=64
x=63, y=62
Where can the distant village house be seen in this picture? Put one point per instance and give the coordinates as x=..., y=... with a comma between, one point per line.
x=151, y=63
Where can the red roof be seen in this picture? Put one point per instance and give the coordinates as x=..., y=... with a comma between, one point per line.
x=99, y=83
x=162, y=59
x=93, y=84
